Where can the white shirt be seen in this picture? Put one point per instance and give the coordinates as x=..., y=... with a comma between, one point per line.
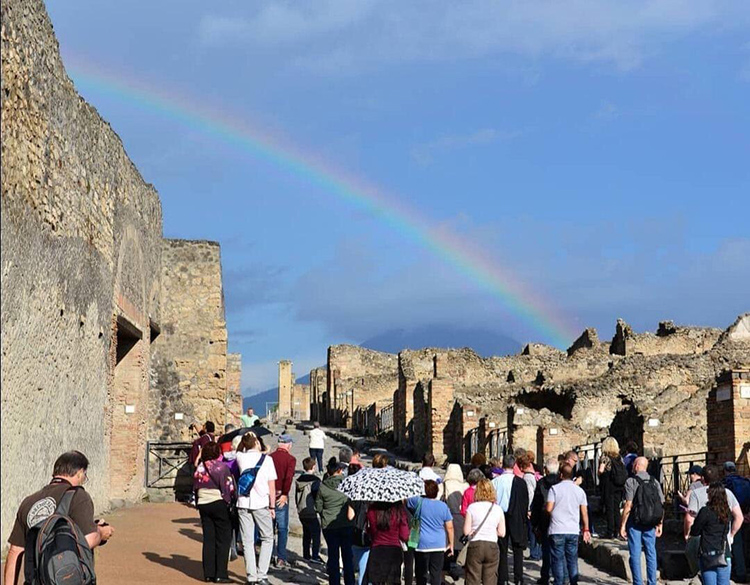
x=317, y=439
x=259, y=495
x=488, y=532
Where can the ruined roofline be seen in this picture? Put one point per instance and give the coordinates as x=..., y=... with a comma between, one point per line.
x=188, y=242
x=351, y=346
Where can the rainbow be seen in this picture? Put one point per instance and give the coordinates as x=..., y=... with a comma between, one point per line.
x=449, y=247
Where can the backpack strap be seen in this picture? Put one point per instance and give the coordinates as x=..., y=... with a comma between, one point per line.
x=63, y=508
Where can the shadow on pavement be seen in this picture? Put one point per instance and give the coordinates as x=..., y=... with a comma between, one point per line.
x=193, y=521
x=185, y=565
x=192, y=534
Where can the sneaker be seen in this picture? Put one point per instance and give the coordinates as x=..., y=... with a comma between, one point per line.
x=317, y=561
x=282, y=564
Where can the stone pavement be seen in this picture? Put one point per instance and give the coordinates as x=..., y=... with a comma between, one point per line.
x=161, y=543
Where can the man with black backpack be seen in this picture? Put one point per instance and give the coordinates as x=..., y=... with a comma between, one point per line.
x=642, y=520
x=55, y=531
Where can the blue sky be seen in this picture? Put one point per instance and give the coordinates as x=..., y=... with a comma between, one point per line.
x=597, y=150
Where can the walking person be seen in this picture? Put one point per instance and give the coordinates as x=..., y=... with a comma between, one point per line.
x=256, y=506
x=540, y=518
x=740, y=487
x=526, y=465
x=698, y=500
x=63, y=495
x=642, y=520
x=435, y=534
x=428, y=461
x=513, y=498
x=568, y=510
x=306, y=490
x=612, y=478
x=388, y=531
x=284, y=463
x=216, y=494
x=357, y=513
x=484, y=525
x=454, y=487
x=473, y=478
x=333, y=507
x=713, y=525
x=317, y=445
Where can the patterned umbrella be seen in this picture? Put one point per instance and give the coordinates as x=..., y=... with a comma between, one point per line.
x=382, y=485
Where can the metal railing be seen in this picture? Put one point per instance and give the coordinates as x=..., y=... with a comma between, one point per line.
x=671, y=471
x=385, y=419
x=497, y=443
x=588, y=464
x=165, y=462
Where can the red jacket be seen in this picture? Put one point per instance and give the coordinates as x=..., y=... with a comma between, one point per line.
x=284, y=463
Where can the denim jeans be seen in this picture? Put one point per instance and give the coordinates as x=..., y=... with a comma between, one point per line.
x=719, y=576
x=339, y=541
x=535, y=546
x=645, y=541
x=564, y=554
x=282, y=531
x=361, y=554
x=317, y=454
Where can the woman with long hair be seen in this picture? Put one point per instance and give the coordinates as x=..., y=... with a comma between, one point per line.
x=612, y=477
x=484, y=524
x=388, y=528
x=713, y=524
x=215, y=488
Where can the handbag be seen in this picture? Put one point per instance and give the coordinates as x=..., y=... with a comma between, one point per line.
x=714, y=559
x=461, y=558
x=414, y=526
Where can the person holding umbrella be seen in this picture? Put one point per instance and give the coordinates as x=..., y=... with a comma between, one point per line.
x=388, y=529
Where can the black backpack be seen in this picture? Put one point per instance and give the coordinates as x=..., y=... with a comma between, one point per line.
x=56, y=550
x=618, y=473
x=648, y=509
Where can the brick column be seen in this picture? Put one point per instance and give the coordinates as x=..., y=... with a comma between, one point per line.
x=728, y=417
x=439, y=405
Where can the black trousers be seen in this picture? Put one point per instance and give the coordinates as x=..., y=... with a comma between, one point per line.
x=217, y=537
x=409, y=566
x=612, y=499
x=502, y=571
x=429, y=567
x=310, y=536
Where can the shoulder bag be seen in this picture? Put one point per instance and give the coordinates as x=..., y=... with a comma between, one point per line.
x=461, y=558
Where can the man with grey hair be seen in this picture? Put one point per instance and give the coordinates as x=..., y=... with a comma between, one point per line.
x=539, y=517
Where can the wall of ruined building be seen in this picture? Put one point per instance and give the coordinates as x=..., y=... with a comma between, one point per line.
x=190, y=355
x=80, y=243
x=668, y=339
x=301, y=402
x=234, y=387
x=318, y=395
x=356, y=378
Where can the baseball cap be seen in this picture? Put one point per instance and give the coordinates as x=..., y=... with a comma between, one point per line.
x=730, y=466
x=697, y=469
x=286, y=438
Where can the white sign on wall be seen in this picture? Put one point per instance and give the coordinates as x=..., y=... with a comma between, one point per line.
x=129, y=408
x=553, y=431
x=744, y=390
x=653, y=422
x=179, y=415
x=492, y=425
x=520, y=411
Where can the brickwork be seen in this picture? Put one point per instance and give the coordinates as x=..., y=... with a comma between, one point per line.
x=301, y=402
x=318, y=395
x=728, y=408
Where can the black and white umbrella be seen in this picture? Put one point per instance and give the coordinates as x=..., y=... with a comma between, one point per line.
x=385, y=484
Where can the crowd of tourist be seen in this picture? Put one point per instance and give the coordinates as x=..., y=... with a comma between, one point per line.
x=422, y=528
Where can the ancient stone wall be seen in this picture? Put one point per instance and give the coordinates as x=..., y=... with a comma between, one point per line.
x=318, y=395
x=190, y=356
x=301, y=401
x=81, y=246
x=234, y=386
x=358, y=377
x=286, y=381
x=669, y=339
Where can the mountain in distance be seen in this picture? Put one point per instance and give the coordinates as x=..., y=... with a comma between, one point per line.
x=483, y=341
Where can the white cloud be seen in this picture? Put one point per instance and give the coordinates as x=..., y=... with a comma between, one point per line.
x=340, y=35
x=424, y=153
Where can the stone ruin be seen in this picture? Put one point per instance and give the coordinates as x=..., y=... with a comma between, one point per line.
x=112, y=336
x=654, y=389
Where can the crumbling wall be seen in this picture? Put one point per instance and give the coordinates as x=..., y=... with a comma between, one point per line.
x=669, y=339
x=190, y=356
x=234, y=386
x=318, y=395
x=80, y=249
x=358, y=377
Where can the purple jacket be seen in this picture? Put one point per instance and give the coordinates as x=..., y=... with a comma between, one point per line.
x=215, y=475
